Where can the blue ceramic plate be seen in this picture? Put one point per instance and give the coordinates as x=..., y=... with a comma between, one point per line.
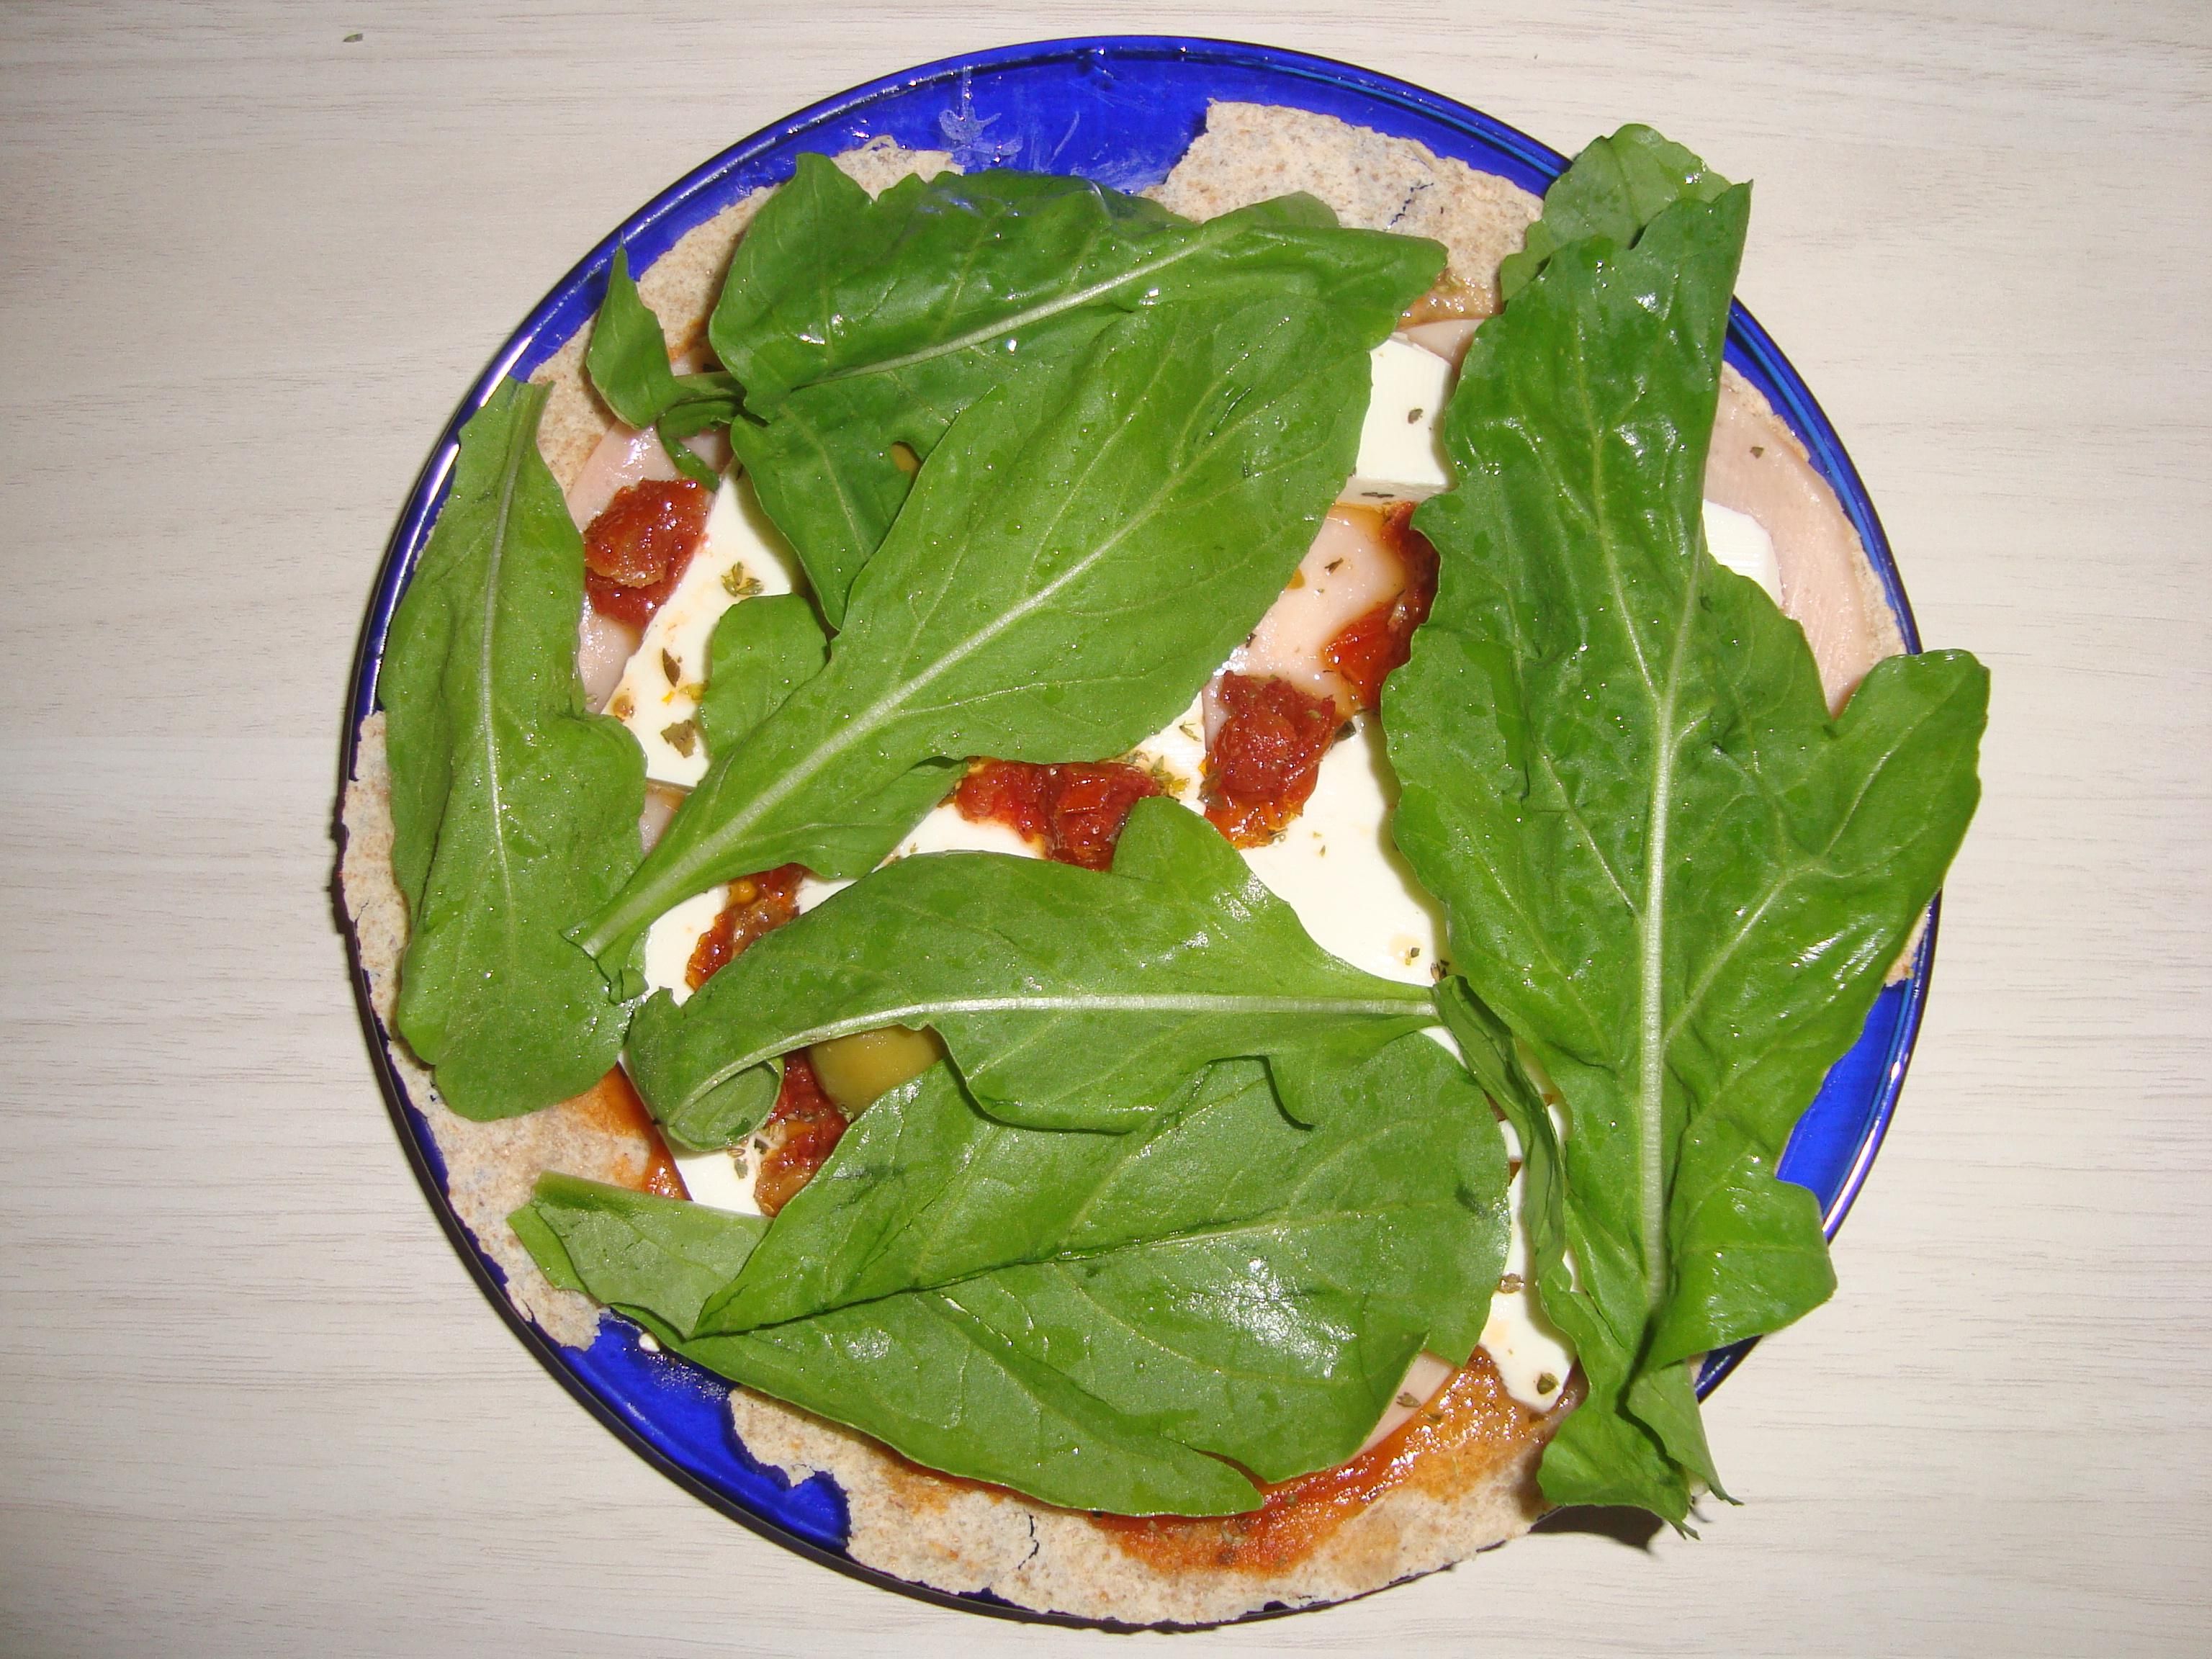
x=1120, y=110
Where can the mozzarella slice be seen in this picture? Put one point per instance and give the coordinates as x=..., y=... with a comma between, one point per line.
x=1176, y=753
x=1400, y=459
x=1533, y=1359
x=1338, y=869
x=722, y=1180
x=657, y=695
x=670, y=941
x=1741, y=542
x=944, y=830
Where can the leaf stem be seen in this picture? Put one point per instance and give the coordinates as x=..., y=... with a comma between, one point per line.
x=929, y=1011
x=522, y=437
x=1073, y=300
x=1652, y=925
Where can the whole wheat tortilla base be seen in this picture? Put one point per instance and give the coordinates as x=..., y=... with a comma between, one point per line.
x=954, y=1535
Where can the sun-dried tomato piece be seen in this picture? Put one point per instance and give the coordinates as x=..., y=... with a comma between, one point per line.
x=1011, y=792
x=801, y=1132
x=1093, y=804
x=636, y=550
x=1369, y=648
x=1076, y=811
x=757, y=905
x=1264, y=755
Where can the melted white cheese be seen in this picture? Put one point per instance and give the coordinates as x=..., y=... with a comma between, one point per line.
x=945, y=831
x=1337, y=868
x=722, y=1180
x=1533, y=1359
x=670, y=941
x=941, y=830
x=1176, y=753
x=659, y=691
x=1400, y=459
x=1741, y=542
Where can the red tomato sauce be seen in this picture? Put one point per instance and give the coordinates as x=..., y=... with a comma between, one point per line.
x=636, y=550
x=1463, y=1431
x=1264, y=755
x=1074, y=811
x=1368, y=648
x=757, y=905
x=612, y=1106
x=801, y=1132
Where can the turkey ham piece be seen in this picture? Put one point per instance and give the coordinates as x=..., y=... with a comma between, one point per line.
x=1451, y=1467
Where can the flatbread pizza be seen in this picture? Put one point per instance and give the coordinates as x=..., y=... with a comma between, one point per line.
x=1423, y=954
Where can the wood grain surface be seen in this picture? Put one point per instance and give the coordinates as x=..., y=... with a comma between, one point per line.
x=250, y=1402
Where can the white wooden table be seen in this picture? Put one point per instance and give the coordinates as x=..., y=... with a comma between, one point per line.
x=249, y=1400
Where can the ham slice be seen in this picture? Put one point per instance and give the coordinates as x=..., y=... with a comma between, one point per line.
x=1757, y=467
x=626, y=456
x=1348, y=571
x=623, y=457
x=604, y=647
x=1448, y=338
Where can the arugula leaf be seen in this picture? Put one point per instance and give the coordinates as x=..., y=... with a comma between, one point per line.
x=1085, y=549
x=1612, y=1454
x=925, y=1376
x=628, y=356
x=628, y=361
x=514, y=811
x=827, y=281
x=1614, y=188
x=1663, y=865
x=762, y=650
x=626, y=1247
x=922, y=1376
x=723, y=1114
x=1221, y=1281
x=857, y=326
x=1068, y=998
x=937, y=1191
x=839, y=310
